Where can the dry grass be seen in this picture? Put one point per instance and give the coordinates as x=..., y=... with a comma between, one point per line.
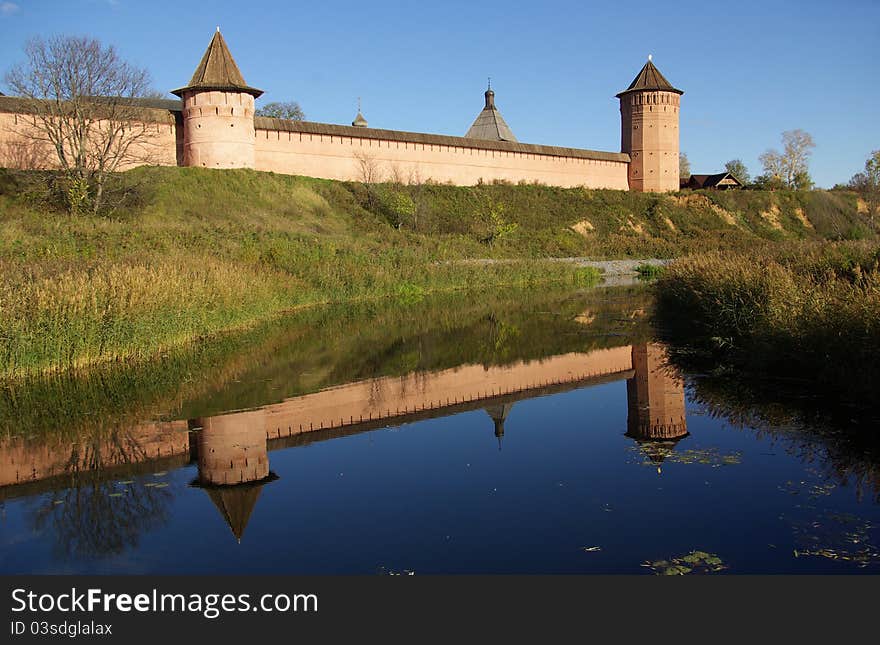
x=806, y=311
x=190, y=252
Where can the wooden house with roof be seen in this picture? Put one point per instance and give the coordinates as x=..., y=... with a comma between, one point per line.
x=719, y=181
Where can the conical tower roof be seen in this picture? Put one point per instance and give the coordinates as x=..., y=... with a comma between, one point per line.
x=235, y=503
x=218, y=71
x=649, y=78
x=360, y=121
x=489, y=124
x=499, y=413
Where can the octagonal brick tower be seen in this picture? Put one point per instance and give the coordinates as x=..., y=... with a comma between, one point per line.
x=649, y=111
x=218, y=112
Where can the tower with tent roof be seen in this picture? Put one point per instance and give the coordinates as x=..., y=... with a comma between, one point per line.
x=218, y=112
x=649, y=133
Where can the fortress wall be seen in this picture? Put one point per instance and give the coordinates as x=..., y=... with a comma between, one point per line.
x=342, y=157
x=23, y=145
x=388, y=155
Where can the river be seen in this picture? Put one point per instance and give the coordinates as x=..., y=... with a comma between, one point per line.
x=510, y=432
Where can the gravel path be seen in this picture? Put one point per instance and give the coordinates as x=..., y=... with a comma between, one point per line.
x=615, y=267
x=610, y=267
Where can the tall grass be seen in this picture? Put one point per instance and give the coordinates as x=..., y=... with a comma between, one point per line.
x=807, y=312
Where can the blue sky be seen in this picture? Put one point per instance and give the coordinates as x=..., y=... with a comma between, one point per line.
x=750, y=70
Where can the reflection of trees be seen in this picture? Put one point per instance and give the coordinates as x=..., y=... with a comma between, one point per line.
x=841, y=443
x=94, y=516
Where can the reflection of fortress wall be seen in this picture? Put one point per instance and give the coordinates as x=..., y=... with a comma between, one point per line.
x=390, y=397
x=655, y=396
x=231, y=448
x=24, y=460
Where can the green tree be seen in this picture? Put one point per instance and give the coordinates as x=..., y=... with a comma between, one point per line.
x=495, y=226
x=802, y=181
x=684, y=166
x=289, y=110
x=769, y=182
x=398, y=207
x=791, y=166
x=738, y=169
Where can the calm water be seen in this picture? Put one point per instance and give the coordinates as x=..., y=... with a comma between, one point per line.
x=491, y=434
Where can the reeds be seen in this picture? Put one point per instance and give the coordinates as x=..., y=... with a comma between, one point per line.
x=809, y=311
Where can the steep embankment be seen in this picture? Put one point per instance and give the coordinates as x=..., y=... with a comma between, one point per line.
x=191, y=252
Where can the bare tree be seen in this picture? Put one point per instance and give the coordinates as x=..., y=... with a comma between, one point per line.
x=289, y=110
x=791, y=166
x=83, y=100
x=369, y=169
x=369, y=173
x=417, y=191
x=395, y=174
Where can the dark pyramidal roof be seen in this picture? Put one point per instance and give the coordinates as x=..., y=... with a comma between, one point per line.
x=360, y=121
x=218, y=71
x=708, y=181
x=650, y=78
x=235, y=503
x=489, y=124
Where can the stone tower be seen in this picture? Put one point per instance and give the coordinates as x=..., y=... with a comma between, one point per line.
x=649, y=132
x=218, y=112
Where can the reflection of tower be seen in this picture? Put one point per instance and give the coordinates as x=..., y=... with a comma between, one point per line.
x=233, y=463
x=655, y=398
x=499, y=416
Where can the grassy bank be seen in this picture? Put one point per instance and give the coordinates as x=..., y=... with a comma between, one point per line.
x=807, y=312
x=191, y=252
